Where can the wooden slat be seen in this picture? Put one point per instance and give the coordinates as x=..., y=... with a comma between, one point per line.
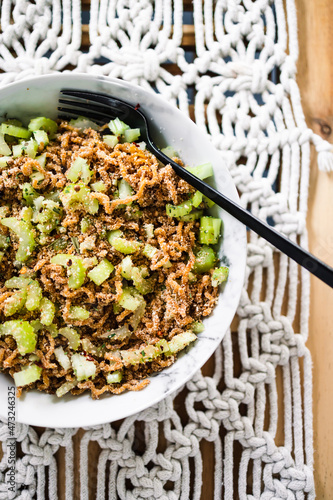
x=315, y=79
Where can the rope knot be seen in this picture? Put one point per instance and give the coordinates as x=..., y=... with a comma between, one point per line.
x=259, y=77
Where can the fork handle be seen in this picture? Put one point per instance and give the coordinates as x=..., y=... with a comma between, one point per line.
x=286, y=246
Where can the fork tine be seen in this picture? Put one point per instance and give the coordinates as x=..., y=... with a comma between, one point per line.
x=78, y=112
x=100, y=109
x=122, y=107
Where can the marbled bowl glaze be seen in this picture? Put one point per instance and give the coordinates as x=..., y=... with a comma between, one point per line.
x=38, y=96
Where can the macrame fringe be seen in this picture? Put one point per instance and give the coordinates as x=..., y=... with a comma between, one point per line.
x=325, y=153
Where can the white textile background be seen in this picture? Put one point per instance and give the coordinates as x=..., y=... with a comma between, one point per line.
x=241, y=79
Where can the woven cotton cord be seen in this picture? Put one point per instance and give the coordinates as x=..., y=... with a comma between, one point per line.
x=246, y=98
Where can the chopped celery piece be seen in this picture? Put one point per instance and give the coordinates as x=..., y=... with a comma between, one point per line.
x=204, y=260
x=75, y=268
x=41, y=138
x=126, y=268
x=26, y=214
x=13, y=130
x=34, y=357
x=84, y=225
x=196, y=214
x=179, y=342
x=83, y=368
x=101, y=272
x=31, y=148
x=142, y=145
x=118, y=334
x=202, y=171
x=62, y=358
x=197, y=327
x=47, y=311
x=4, y=161
x=42, y=123
x=72, y=336
x=117, y=126
x=144, y=354
x=209, y=202
x=13, y=121
x=83, y=123
x=79, y=168
x=15, y=302
x=23, y=231
x=98, y=186
x=169, y=151
x=76, y=195
x=23, y=333
x=90, y=348
x=131, y=134
x=149, y=251
x=142, y=285
x=1, y=255
x=29, y=194
x=74, y=171
x=121, y=244
x=138, y=313
x=18, y=282
x=78, y=313
x=41, y=159
x=27, y=375
x=17, y=150
x=114, y=234
x=129, y=299
x=28, y=148
x=66, y=387
x=125, y=189
x=34, y=295
x=210, y=228
x=86, y=173
x=37, y=325
x=149, y=228
x=125, y=246
x=220, y=275
x=179, y=210
x=4, y=148
x=110, y=140
x=115, y=377
x=197, y=199
x=49, y=217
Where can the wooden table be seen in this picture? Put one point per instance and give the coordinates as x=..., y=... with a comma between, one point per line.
x=315, y=79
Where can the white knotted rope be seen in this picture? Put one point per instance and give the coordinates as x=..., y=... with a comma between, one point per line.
x=242, y=408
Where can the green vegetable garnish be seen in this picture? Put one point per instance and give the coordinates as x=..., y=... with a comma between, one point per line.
x=25, y=234
x=210, y=229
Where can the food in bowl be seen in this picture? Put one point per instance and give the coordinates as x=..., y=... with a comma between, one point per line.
x=107, y=257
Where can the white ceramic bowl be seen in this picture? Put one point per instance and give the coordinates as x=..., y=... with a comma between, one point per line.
x=39, y=96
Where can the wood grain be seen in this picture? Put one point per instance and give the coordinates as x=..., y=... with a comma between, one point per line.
x=315, y=80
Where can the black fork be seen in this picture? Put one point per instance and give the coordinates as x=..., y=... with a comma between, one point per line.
x=102, y=108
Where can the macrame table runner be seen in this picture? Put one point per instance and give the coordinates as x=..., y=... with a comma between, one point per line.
x=254, y=407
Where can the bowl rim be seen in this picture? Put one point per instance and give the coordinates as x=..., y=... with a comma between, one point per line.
x=99, y=418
